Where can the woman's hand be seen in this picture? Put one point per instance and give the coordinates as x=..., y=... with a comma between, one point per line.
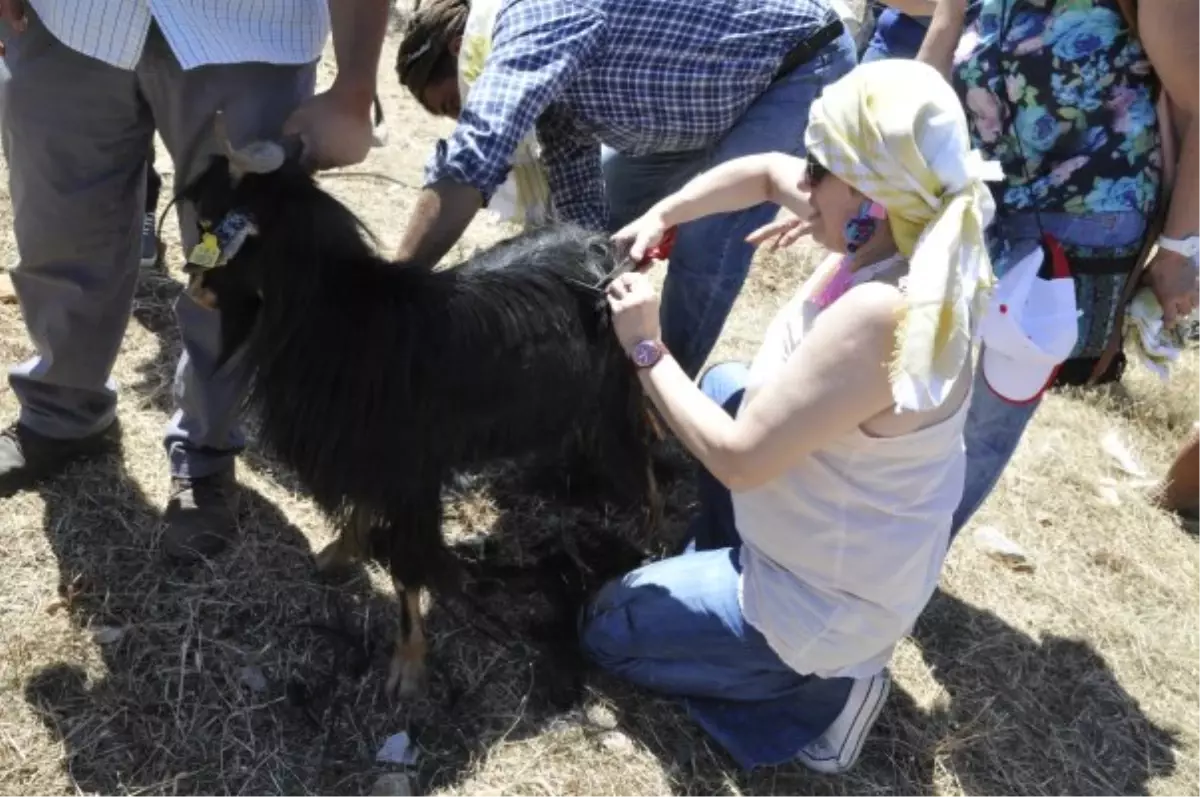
x=638, y=237
x=785, y=230
x=1174, y=282
x=635, y=309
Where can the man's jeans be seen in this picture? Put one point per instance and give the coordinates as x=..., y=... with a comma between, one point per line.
x=711, y=257
x=995, y=426
x=676, y=627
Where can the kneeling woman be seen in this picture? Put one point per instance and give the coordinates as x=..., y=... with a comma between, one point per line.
x=833, y=463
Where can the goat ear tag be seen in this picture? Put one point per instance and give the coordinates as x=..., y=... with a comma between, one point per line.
x=235, y=243
x=207, y=253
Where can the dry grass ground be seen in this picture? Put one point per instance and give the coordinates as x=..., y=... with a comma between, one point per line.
x=1079, y=677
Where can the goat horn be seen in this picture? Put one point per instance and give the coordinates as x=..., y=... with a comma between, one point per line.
x=257, y=157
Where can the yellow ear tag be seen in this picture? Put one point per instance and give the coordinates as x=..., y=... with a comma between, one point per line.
x=207, y=253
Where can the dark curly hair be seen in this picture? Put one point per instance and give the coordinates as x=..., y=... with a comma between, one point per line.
x=424, y=57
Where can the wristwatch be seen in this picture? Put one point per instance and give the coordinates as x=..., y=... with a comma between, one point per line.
x=647, y=353
x=1188, y=247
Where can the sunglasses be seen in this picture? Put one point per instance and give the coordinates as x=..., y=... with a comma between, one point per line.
x=814, y=172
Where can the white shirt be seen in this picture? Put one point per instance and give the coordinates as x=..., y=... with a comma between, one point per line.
x=200, y=32
x=843, y=550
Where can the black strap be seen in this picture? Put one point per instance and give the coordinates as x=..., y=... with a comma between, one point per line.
x=806, y=50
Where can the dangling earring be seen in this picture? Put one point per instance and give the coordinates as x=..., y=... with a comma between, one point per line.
x=862, y=226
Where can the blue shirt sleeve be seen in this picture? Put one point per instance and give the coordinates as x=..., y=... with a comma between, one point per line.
x=538, y=46
x=572, y=159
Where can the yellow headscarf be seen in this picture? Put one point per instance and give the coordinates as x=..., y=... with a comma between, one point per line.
x=896, y=131
x=524, y=197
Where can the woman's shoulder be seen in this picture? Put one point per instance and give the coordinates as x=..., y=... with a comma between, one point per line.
x=866, y=312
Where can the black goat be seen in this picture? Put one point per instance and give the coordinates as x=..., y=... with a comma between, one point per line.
x=373, y=381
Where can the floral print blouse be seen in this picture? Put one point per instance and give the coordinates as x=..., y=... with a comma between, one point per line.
x=1066, y=77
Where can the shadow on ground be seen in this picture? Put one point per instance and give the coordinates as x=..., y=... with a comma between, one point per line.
x=1019, y=717
x=251, y=674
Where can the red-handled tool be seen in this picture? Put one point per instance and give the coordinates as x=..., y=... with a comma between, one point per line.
x=661, y=250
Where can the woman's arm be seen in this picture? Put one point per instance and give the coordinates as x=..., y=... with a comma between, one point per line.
x=738, y=184
x=941, y=40
x=834, y=382
x=1167, y=29
x=914, y=8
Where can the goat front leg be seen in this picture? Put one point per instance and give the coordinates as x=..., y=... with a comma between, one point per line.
x=417, y=559
x=407, y=674
x=352, y=543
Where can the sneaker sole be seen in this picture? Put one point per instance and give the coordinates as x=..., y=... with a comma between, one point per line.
x=30, y=478
x=868, y=712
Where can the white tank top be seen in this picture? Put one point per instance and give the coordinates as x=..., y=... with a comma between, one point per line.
x=843, y=550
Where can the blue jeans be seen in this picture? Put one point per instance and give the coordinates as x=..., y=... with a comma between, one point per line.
x=896, y=36
x=899, y=35
x=676, y=627
x=995, y=426
x=711, y=257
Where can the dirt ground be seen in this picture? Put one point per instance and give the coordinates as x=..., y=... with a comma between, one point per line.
x=1077, y=677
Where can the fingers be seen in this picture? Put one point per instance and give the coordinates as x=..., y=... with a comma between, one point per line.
x=1175, y=312
x=785, y=233
x=616, y=289
x=795, y=234
x=630, y=245
x=645, y=240
x=766, y=232
x=637, y=238
x=630, y=285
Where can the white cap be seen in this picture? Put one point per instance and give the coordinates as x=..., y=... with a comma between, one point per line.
x=1030, y=326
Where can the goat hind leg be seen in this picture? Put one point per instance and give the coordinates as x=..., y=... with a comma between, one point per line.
x=407, y=674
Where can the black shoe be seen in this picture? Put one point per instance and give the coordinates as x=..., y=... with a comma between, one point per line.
x=201, y=517
x=27, y=457
x=150, y=243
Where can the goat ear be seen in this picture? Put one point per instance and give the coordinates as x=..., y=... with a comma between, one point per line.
x=257, y=157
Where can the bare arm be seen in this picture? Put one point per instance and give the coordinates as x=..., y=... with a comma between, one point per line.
x=444, y=211
x=941, y=40
x=914, y=8
x=835, y=381
x=738, y=184
x=335, y=125
x=1167, y=29
x=358, y=29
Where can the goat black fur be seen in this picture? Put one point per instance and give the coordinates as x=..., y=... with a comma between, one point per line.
x=374, y=381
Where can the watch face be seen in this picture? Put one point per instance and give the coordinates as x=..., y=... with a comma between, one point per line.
x=645, y=353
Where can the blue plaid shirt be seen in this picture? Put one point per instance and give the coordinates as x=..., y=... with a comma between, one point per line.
x=641, y=76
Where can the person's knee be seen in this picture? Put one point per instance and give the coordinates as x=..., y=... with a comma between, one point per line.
x=605, y=636
x=721, y=380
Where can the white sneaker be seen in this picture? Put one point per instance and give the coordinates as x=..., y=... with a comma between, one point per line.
x=835, y=751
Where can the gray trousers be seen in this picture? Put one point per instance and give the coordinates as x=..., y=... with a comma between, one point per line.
x=75, y=134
